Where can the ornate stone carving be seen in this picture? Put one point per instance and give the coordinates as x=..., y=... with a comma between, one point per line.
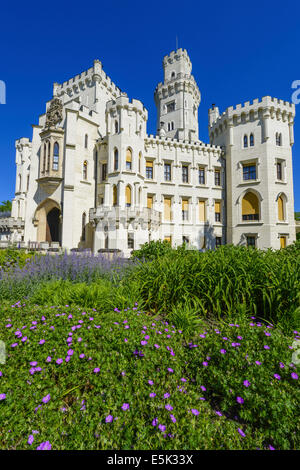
x=54, y=113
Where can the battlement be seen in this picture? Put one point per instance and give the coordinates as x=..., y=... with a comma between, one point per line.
x=95, y=73
x=176, y=56
x=267, y=103
x=124, y=102
x=197, y=145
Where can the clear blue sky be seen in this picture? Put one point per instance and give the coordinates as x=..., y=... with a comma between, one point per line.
x=239, y=51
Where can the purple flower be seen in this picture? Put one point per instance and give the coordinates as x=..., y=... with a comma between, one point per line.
x=152, y=395
x=166, y=395
x=194, y=411
x=223, y=351
x=266, y=346
x=48, y=359
x=125, y=406
x=46, y=398
x=246, y=383
x=277, y=376
x=30, y=439
x=2, y=396
x=42, y=341
x=203, y=388
x=150, y=382
x=161, y=427
x=44, y=446
x=258, y=363
x=59, y=361
x=154, y=422
x=183, y=379
x=240, y=400
x=219, y=413
x=156, y=346
x=173, y=418
x=169, y=407
x=70, y=352
x=143, y=343
x=96, y=370
x=205, y=363
x=81, y=356
x=294, y=375
x=170, y=370
x=33, y=363
x=109, y=419
x=241, y=432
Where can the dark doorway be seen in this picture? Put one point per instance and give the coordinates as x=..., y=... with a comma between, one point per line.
x=52, y=230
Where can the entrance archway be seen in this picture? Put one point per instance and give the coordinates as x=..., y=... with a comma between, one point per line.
x=52, y=227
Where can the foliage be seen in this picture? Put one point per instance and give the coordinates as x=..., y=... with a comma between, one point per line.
x=5, y=206
x=81, y=379
x=154, y=249
x=226, y=281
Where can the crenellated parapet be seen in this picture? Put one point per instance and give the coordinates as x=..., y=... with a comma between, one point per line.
x=266, y=107
x=124, y=102
x=180, y=83
x=86, y=79
x=152, y=140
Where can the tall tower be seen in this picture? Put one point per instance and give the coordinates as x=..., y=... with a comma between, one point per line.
x=177, y=99
x=257, y=139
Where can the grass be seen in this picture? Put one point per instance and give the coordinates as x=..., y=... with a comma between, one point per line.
x=196, y=386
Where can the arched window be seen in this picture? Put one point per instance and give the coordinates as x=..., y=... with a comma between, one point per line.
x=245, y=141
x=173, y=75
x=128, y=159
x=140, y=161
x=280, y=203
x=49, y=156
x=116, y=127
x=83, y=226
x=85, y=169
x=19, y=183
x=250, y=207
x=55, y=156
x=86, y=141
x=115, y=195
x=172, y=125
x=116, y=159
x=251, y=140
x=44, y=158
x=278, y=139
x=128, y=196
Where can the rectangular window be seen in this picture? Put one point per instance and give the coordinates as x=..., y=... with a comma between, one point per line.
x=167, y=171
x=130, y=241
x=185, y=239
x=250, y=216
x=249, y=172
x=104, y=171
x=167, y=208
x=217, y=178
x=282, y=242
x=217, y=211
x=201, y=175
x=185, y=174
x=171, y=107
x=202, y=215
x=185, y=209
x=251, y=241
x=149, y=170
x=128, y=166
x=168, y=239
x=149, y=202
x=218, y=241
x=279, y=170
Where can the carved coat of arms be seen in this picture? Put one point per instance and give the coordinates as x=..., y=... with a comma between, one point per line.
x=54, y=113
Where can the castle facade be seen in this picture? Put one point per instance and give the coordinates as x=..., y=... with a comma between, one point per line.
x=91, y=177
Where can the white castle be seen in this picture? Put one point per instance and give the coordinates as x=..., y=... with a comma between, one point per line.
x=91, y=177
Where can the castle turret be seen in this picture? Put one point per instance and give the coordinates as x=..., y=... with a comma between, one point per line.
x=177, y=99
